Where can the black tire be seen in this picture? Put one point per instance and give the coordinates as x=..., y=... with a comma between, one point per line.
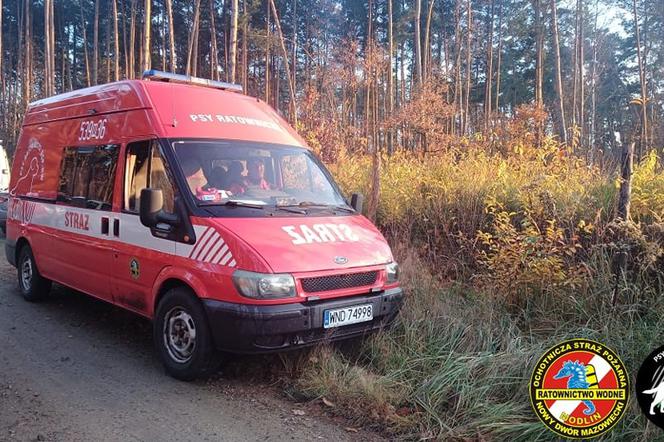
x=178, y=313
x=34, y=287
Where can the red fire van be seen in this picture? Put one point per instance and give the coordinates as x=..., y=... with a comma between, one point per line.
x=198, y=207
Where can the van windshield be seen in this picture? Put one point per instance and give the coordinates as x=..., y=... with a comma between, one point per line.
x=255, y=175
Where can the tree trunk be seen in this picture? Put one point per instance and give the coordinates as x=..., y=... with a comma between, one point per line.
x=27, y=64
x=48, y=70
x=582, y=77
x=147, y=59
x=500, y=55
x=163, y=49
x=390, y=75
x=624, y=204
x=214, y=63
x=458, y=85
x=575, y=69
x=294, y=43
x=488, y=91
x=469, y=13
x=53, y=48
x=245, y=51
x=85, y=48
x=95, y=46
x=132, y=39
x=293, y=106
x=539, y=54
x=192, y=38
x=368, y=71
x=171, y=36
x=233, y=41
x=267, y=55
x=116, y=42
x=107, y=49
x=124, y=37
x=562, y=129
x=194, y=52
x=539, y=70
x=643, y=144
x=51, y=38
x=426, y=69
x=418, y=42
x=593, y=86
x=370, y=118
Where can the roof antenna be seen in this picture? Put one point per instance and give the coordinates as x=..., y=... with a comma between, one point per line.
x=175, y=120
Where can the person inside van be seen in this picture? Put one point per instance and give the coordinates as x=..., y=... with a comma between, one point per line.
x=219, y=177
x=256, y=174
x=235, y=178
x=194, y=173
x=255, y=178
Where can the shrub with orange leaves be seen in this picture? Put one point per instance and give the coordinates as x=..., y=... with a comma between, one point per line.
x=523, y=260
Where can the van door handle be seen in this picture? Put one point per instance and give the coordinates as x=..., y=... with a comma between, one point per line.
x=104, y=225
x=116, y=227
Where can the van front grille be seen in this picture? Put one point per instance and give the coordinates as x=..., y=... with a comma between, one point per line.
x=342, y=281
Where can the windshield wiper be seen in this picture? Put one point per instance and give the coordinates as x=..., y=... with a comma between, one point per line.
x=291, y=209
x=305, y=204
x=240, y=203
x=233, y=203
x=344, y=209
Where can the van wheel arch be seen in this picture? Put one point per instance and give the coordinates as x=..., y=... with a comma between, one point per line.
x=20, y=243
x=32, y=285
x=167, y=285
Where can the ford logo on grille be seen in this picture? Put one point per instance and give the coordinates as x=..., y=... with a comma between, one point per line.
x=340, y=259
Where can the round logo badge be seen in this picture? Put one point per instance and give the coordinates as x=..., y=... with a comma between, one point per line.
x=134, y=268
x=579, y=389
x=650, y=387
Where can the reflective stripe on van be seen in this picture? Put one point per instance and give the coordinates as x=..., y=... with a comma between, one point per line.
x=210, y=246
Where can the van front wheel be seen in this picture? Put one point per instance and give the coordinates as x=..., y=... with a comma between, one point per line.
x=34, y=287
x=182, y=336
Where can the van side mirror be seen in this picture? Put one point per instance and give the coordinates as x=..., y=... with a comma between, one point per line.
x=151, y=209
x=357, y=201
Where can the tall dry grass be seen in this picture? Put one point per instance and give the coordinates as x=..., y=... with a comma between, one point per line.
x=502, y=256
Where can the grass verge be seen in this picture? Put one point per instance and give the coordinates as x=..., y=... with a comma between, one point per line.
x=457, y=363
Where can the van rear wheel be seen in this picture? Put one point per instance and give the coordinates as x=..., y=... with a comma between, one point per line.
x=34, y=287
x=182, y=336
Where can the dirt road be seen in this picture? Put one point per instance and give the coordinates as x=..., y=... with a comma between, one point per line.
x=77, y=369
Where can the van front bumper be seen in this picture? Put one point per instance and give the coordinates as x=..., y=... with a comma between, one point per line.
x=244, y=328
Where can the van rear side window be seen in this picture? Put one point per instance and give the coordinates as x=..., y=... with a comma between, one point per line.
x=87, y=175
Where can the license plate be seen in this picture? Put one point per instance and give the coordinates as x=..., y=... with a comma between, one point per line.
x=348, y=315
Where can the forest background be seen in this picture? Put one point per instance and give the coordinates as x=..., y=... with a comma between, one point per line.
x=489, y=137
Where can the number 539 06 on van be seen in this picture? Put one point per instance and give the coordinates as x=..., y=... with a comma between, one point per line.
x=200, y=208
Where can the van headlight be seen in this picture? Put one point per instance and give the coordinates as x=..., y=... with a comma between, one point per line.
x=264, y=285
x=392, y=272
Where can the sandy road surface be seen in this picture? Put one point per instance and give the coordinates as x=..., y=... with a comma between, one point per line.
x=76, y=369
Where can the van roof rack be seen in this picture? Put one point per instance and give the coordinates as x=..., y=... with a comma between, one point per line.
x=153, y=74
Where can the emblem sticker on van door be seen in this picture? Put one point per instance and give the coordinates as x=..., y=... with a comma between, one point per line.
x=320, y=233
x=31, y=169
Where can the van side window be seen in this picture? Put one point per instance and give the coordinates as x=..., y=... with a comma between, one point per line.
x=67, y=175
x=87, y=176
x=83, y=163
x=145, y=167
x=102, y=176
